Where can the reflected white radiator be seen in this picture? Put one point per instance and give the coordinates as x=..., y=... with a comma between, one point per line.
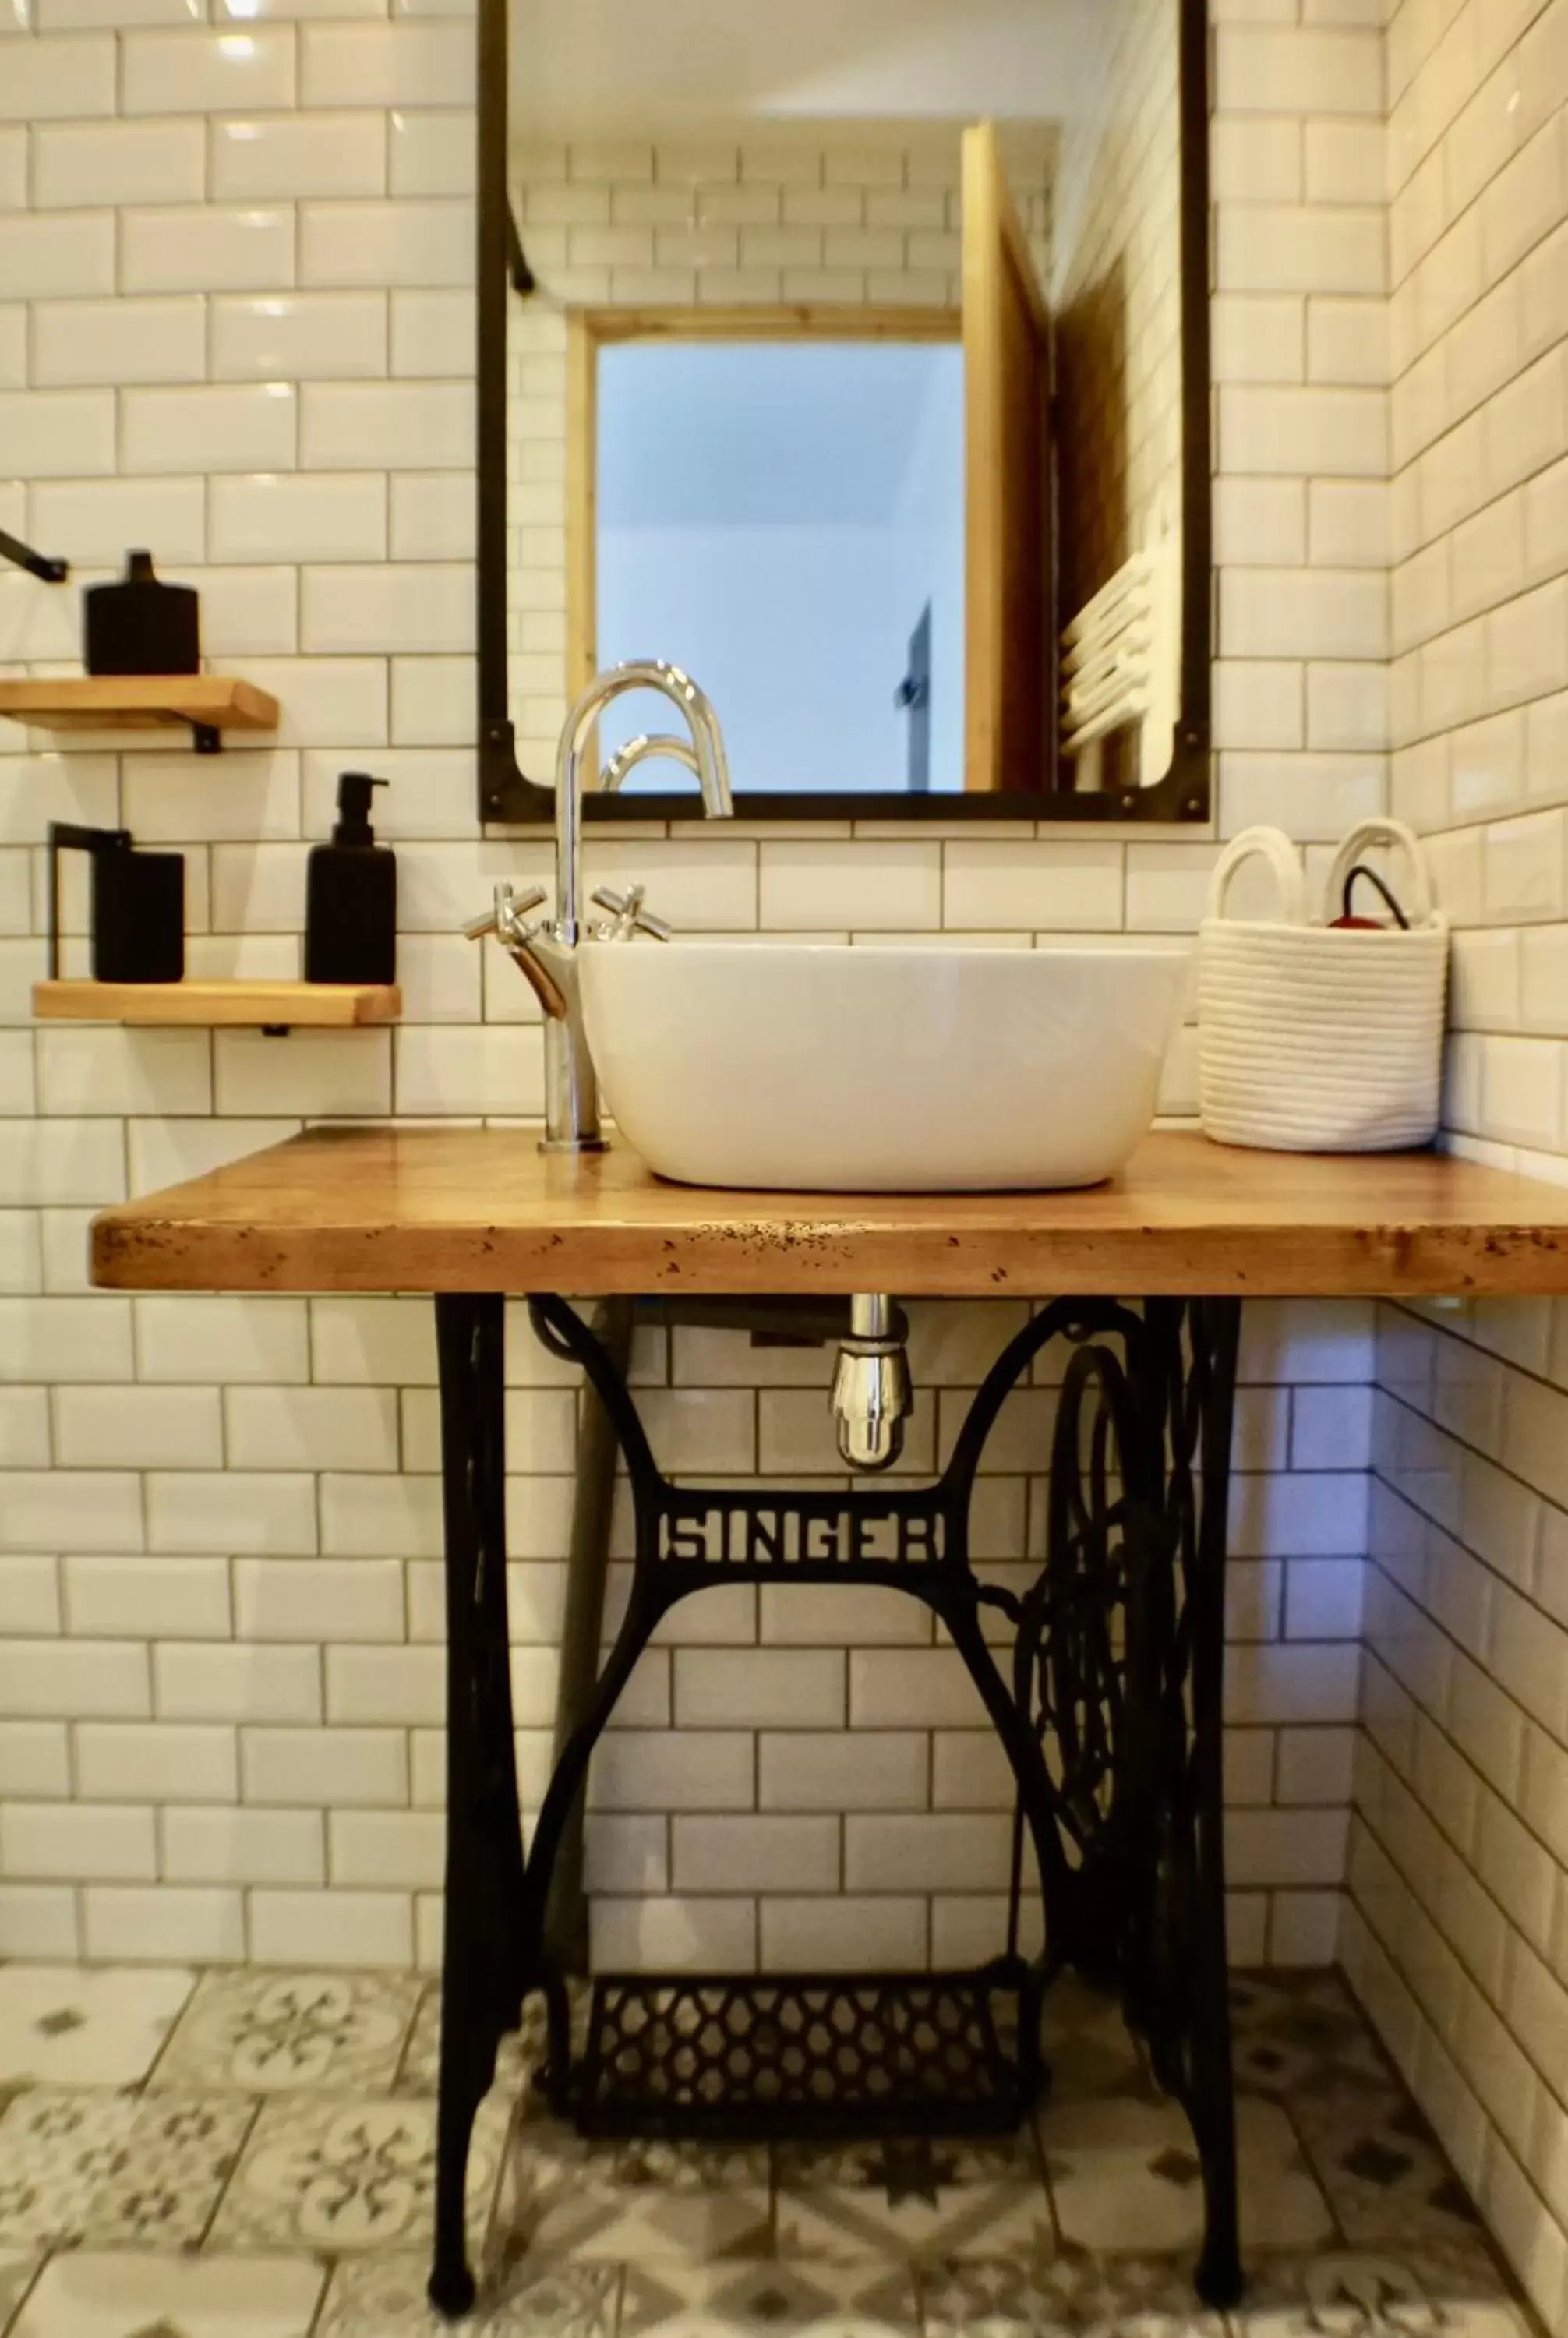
x=1121, y=665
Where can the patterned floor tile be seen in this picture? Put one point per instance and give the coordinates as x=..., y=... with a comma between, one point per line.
x=1298, y=2034
x=1456, y=2291
x=867, y=2299
x=115, y=2294
x=137, y=2172
x=637, y=2203
x=383, y=2296
x=520, y=2054
x=266, y=2033
x=1072, y=2295
x=320, y=2173
x=67, y=2026
x=1382, y=2167
x=1125, y=2176
x=913, y=2199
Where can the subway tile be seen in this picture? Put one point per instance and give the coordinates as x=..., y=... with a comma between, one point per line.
x=385, y=426
x=429, y=521
x=303, y=518
x=299, y=337
x=232, y=1510
x=156, y=1762
x=79, y=1842
x=832, y=886
x=228, y=428
x=1027, y=885
x=426, y=606
x=213, y=1681
x=119, y=340
x=44, y=1339
x=753, y=1688
x=393, y=64
x=486, y=1069
x=330, y=1767
x=407, y=242
x=217, y=248
x=239, y=1846
x=297, y=156
x=768, y=1853
x=1260, y=70
x=67, y=77
x=76, y=1680
x=58, y=434
x=1284, y=247
x=325, y=1075
x=138, y=1427
x=331, y=1927
x=1321, y=431
x=92, y=522
x=128, y=1923
x=198, y=71
x=77, y=164
x=1321, y=612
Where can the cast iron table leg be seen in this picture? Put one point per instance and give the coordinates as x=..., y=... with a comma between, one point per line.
x=1196, y=1345
x=482, y=1978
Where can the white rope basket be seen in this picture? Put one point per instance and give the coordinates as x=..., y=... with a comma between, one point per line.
x=1313, y=1040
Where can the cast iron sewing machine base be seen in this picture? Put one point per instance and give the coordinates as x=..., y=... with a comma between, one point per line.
x=1115, y=1663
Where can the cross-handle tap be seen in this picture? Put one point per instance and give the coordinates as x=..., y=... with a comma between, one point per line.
x=546, y=952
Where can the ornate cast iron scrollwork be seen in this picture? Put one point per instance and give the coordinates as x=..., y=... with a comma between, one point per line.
x=1111, y=1720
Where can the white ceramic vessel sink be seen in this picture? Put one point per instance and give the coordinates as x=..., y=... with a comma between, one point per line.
x=831, y=1068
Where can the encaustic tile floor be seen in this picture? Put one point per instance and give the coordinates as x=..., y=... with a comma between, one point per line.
x=250, y=2155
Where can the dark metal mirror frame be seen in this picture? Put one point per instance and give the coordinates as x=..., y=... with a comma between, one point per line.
x=508, y=794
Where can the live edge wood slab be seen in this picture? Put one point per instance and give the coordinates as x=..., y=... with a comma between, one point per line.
x=387, y=1209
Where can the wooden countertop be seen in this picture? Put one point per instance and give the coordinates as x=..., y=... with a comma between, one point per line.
x=469, y=1209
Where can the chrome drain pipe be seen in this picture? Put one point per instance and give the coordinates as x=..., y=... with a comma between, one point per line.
x=872, y=1397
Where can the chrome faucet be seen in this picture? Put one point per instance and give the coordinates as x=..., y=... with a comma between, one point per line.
x=546, y=952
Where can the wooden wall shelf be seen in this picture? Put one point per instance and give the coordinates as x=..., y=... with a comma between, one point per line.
x=210, y=703
x=265, y=1006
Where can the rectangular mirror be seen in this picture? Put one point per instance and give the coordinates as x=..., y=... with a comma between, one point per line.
x=855, y=363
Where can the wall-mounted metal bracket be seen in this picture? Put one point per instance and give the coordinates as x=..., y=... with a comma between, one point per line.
x=523, y=280
x=37, y=563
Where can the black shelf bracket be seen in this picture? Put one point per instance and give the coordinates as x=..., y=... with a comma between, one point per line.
x=37, y=563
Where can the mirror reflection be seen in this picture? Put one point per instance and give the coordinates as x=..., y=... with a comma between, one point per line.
x=850, y=381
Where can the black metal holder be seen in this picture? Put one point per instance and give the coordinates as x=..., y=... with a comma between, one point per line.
x=1116, y=1663
x=37, y=563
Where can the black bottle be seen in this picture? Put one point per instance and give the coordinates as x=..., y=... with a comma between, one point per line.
x=351, y=895
x=141, y=626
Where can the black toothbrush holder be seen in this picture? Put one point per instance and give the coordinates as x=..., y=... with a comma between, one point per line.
x=141, y=626
x=138, y=916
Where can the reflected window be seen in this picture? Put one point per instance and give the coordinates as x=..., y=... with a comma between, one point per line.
x=785, y=519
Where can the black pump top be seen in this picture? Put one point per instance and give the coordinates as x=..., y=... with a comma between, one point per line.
x=138, y=569
x=354, y=808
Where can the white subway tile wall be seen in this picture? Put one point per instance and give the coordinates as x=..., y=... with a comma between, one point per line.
x=219, y=1615
x=1456, y=1928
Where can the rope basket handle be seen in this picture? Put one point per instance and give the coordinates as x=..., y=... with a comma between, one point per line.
x=1271, y=844
x=1416, y=902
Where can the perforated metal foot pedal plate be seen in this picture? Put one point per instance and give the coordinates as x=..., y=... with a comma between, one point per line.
x=814, y=2056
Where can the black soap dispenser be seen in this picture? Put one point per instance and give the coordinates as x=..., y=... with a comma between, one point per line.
x=351, y=895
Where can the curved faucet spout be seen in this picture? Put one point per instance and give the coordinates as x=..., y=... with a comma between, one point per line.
x=707, y=757
x=662, y=746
